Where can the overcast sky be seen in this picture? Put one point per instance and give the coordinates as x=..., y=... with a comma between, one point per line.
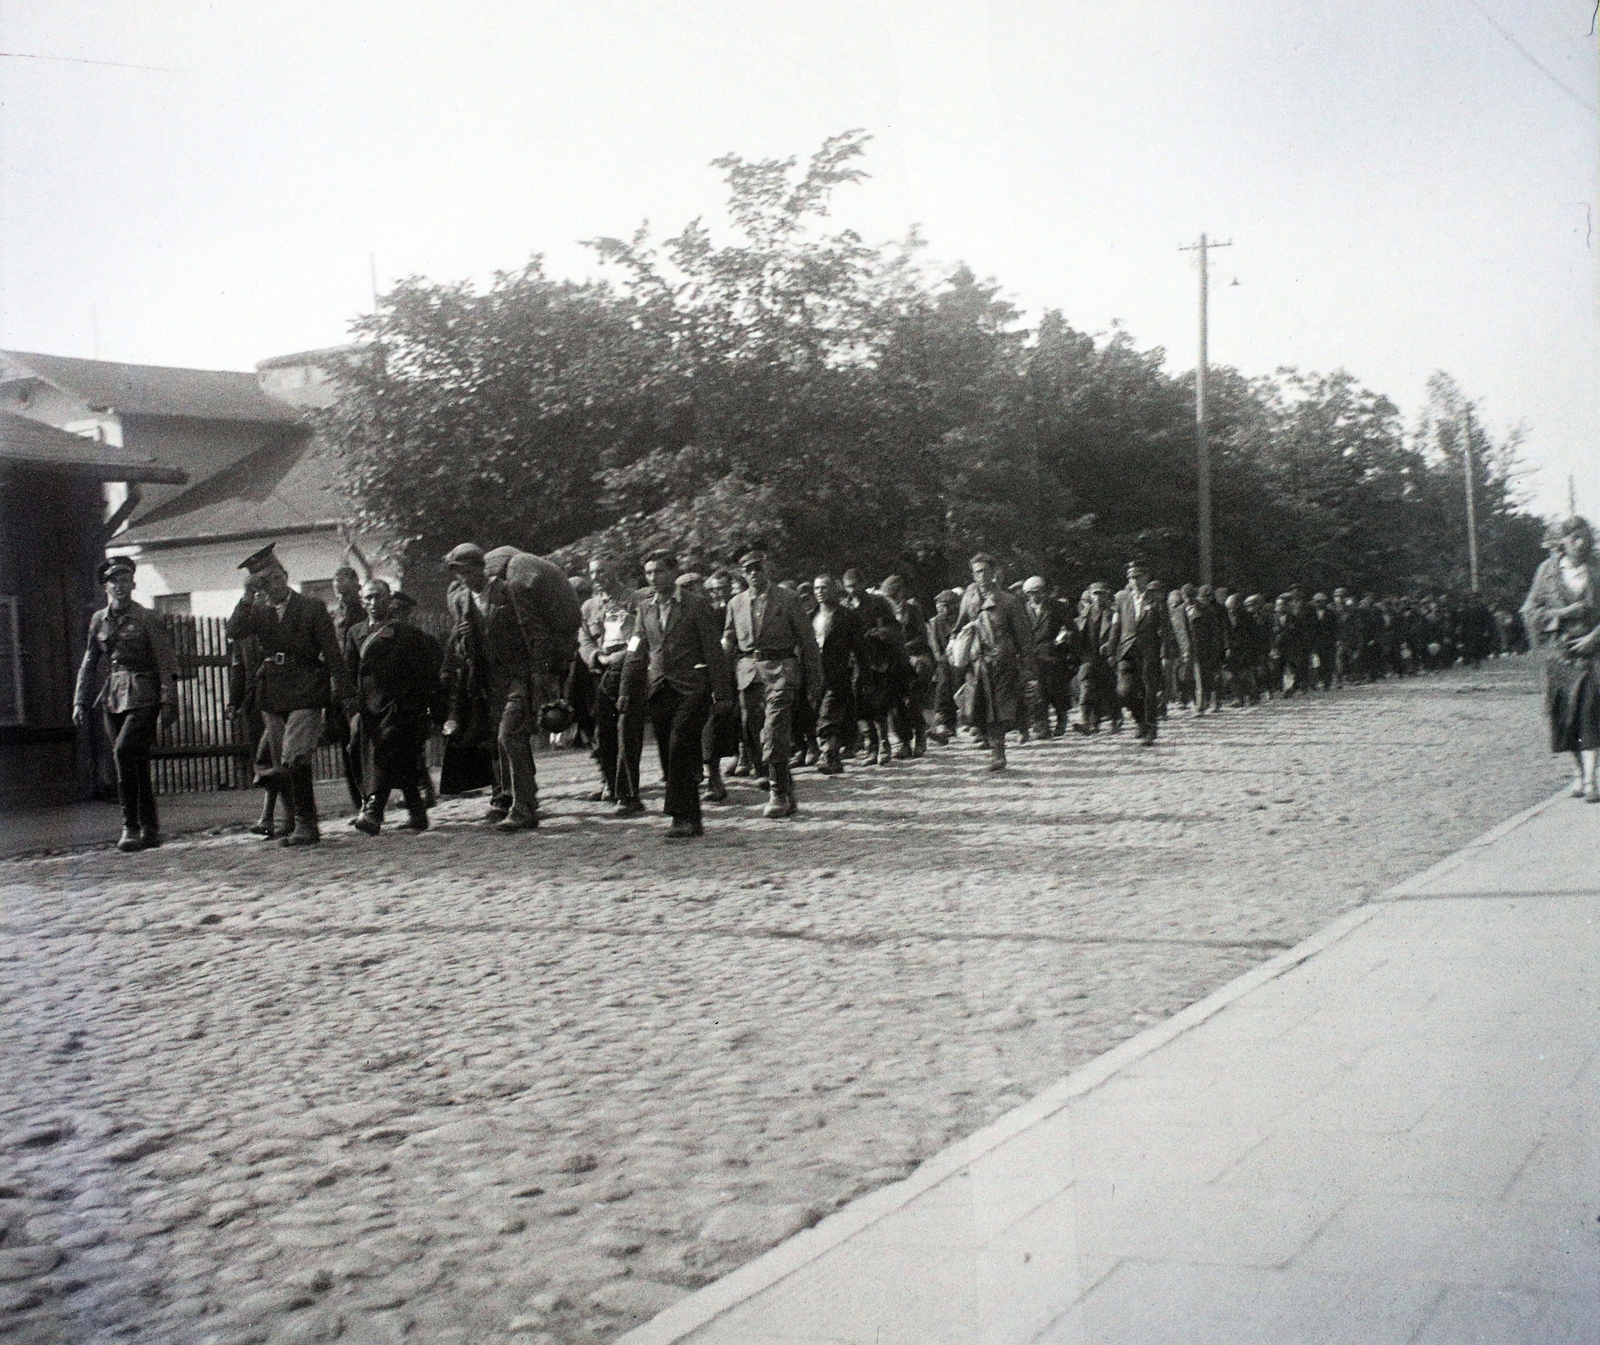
x=1406, y=189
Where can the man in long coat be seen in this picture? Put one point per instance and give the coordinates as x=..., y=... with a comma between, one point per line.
x=1003, y=659
x=1144, y=636
x=396, y=670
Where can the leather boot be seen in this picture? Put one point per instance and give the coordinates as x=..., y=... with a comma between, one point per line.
x=129, y=841
x=831, y=764
x=370, y=818
x=303, y=790
x=997, y=755
x=416, y=810
x=779, y=805
x=716, y=790
x=266, y=824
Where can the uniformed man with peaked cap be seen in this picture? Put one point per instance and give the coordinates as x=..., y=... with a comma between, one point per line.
x=139, y=692
x=301, y=662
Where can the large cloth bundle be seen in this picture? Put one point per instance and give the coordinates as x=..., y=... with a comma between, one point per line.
x=546, y=604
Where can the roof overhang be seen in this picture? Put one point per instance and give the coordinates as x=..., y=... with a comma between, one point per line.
x=39, y=447
x=215, y=539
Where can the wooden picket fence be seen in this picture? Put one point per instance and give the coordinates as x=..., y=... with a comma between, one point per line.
x=205, y=747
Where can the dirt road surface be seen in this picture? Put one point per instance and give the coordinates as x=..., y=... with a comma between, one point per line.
x=466, y=1087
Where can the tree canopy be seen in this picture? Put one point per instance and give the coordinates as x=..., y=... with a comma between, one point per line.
x=783, y=381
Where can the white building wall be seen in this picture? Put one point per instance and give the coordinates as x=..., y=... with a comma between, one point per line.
x=210, y=574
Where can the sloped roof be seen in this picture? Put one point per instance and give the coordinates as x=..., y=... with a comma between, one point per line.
x=38, y=445
x=288, y=486
x=155, y=390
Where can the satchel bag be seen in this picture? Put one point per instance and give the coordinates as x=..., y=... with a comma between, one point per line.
x=965, y=646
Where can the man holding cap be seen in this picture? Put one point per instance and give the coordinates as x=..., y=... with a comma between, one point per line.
x=139, y=693
x=300, y=662
x=769, y=633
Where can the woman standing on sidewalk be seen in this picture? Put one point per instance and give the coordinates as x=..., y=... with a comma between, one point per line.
x=138, y=694
x=1562, y=614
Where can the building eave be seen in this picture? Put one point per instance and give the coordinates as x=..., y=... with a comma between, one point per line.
x=114, y=547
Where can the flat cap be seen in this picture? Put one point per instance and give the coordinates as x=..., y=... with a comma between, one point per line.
x=465, y=554
x=402, y=600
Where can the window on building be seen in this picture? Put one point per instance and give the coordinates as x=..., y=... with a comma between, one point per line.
x=10, y=663
x=174, y=604
x=321, y=590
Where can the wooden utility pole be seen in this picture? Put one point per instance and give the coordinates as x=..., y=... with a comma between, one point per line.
x=1202, y=448
x=1472, y=499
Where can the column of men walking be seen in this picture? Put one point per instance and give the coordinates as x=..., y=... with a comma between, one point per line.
x=726, y=666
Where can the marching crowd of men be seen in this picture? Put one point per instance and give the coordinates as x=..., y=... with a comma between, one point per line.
x=731, y=666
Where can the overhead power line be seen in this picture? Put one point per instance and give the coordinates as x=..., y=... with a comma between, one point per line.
x=80, y=60
x=1534, y=61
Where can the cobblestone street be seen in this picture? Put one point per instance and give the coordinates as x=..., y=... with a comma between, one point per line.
x=468, y=1087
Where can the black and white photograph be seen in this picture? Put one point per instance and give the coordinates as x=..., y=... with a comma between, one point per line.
x=677, y=672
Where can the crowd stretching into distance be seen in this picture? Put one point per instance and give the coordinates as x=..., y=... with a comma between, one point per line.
x=739, y=675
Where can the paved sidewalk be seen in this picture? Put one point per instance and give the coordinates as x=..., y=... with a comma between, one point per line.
x=1389, y=1134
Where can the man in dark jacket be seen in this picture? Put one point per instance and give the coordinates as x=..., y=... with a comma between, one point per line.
x=675, y=660
x=1208, y=646
x=1144, y=635
x=395, y=668
x=838, y=632
x=1053, y=641
x=1097, y=660
x=300, y=664
x=915, y=669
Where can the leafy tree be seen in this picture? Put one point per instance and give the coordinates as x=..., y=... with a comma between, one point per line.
x=484, y=416
x=783, y=381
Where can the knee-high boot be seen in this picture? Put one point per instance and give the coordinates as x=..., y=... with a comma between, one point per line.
x=303, y=790
x=266, y=825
